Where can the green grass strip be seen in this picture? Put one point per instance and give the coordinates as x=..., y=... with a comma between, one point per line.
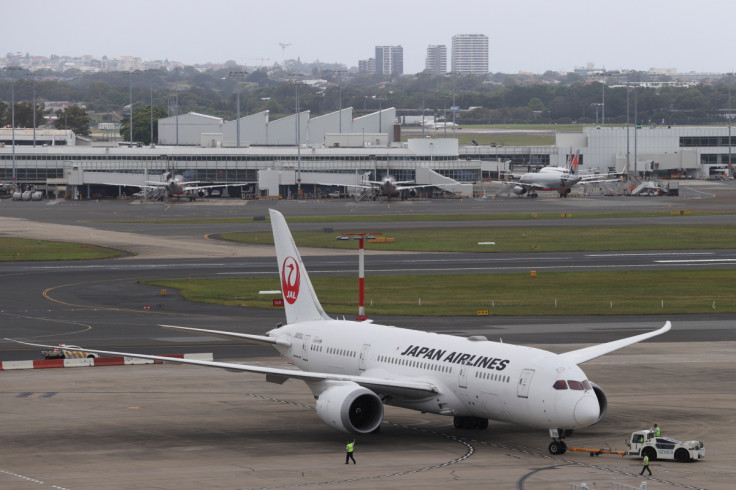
x=21, y=249
x=389, y=217
x=549, y=293
x=522, y=239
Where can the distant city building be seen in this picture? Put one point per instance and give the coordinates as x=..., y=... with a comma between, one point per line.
x=390, y=60
x=436, y=59
x=367, y=66
x=470, y=54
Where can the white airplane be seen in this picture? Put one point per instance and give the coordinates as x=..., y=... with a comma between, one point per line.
x=388, y=186
x=560, y=179
x=354, y=368
x=175, y=185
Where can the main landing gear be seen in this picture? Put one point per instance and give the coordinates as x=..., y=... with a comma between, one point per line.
x=558, y=446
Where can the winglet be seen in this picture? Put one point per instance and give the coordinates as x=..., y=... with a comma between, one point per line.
x=588, y=353
x=300, y=300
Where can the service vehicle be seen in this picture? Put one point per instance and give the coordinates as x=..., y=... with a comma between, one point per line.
x=62, y=352
x=645, y=443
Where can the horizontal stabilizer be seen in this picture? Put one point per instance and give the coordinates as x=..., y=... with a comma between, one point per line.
x=588, y=353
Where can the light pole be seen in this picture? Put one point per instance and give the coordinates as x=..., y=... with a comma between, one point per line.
x=603, y=99
x=730, y=165
x=339, y=94
x=130, y=87
x=12, y=70
x=237, y=75
x=636, y=127
x=151, y=113
x=174, y=108
x=298, y=135
x=380, y=112
x=33, y=80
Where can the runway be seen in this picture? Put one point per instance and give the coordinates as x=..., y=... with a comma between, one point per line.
x=186, y=427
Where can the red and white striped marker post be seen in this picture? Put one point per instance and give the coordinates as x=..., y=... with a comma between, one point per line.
x=361, y=316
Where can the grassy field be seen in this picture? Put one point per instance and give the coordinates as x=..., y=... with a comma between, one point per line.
x=553, y=293
x=19, y=249
x=525, y=239
x=378, y=218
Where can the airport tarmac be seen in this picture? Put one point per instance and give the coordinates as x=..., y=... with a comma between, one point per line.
x=185, y=427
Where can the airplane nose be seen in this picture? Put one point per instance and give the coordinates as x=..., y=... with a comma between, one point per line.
x=587, y=411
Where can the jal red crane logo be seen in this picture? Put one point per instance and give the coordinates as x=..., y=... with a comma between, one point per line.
x=290, y=278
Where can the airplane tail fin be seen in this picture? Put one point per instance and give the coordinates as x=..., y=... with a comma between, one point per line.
x=574, y=162
x=300, y=300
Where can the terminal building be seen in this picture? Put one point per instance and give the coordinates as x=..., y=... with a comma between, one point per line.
x=337, y=152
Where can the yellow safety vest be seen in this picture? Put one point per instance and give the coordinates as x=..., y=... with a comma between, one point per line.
x=350, y=447
x=657, y=432
x=646, y=461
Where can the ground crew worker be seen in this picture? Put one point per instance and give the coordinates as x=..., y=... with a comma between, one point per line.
x=349, y=455
x=645, y=462
x=656, y=431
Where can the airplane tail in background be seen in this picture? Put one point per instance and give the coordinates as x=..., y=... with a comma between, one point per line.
x=300, y=300
x=573, y=162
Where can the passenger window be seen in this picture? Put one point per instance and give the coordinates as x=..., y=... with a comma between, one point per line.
x=575, y=385
x=560, y=385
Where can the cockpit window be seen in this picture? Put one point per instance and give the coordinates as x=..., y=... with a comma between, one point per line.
x=560, y=385
x=586, y=385
x=575, y=385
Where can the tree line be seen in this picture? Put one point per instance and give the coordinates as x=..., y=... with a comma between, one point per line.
x=492, y=99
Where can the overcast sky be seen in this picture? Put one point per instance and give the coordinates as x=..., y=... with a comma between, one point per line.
x=524, y=35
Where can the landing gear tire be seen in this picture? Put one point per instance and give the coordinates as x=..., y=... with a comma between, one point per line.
x=557, y=447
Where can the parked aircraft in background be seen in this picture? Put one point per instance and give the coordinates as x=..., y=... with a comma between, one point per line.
x=388, y=186
x=560, y=179
x=355, y=368
x=175, y=185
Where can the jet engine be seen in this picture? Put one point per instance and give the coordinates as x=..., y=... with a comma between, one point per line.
x=602, y=400
x=350, y=408
x=519, y=190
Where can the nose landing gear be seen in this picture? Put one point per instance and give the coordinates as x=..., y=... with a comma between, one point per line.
x=558, y=446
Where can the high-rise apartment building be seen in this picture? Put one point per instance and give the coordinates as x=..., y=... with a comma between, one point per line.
x=436, y=59
x=367, y=66
x=390, y=60
x=470, y=54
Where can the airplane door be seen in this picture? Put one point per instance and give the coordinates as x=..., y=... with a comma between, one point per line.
x=522, y=390
x=363, y=356
x=306, y=344
x=462, y=381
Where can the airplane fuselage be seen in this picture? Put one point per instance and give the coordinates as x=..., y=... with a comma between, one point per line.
x=475, y=377
x=388, y=186
x=549, y=181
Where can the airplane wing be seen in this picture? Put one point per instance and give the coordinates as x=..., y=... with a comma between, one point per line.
x=405, y=187
x=359, y=186
x=586, y=354
x=525, y=185
x=231, y=335
x=210, y=186
x=400, y=387
x=147, y=185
